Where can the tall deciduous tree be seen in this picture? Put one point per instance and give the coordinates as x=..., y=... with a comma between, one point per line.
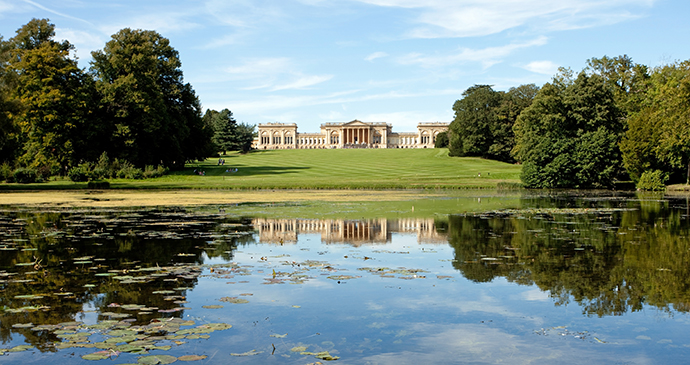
x=484, y=118
x=53, y=94
x=475, y=114
x=627, y=80
x=9, y=133
x=568, y=137
x=156, y=116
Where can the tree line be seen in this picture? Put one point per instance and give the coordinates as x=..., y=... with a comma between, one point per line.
x=616, y=120
x=132, y=105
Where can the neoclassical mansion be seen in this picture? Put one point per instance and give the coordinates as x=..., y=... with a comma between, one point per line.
x=354, y=134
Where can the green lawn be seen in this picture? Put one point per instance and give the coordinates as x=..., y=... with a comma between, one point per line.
x=328, y=169
x=352, y=169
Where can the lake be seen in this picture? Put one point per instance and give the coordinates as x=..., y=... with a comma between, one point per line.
x=566, y=278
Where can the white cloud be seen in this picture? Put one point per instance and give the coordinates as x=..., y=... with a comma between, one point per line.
x=303, y=82
x=33, y=3
x=162, y=22
x=542, y=67
x=274, y=74
x=376, y=55
x=257, y=67
x=486, y=56
x=82, y=40
x=243, y=13
x=470, y=18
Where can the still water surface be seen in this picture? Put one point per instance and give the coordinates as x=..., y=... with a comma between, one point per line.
x=565, y=279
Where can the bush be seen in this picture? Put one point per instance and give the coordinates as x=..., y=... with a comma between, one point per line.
x=441, y=140
x=130, y=172
x=25, y=175
x=99, y=184
x=653, y=181
x=80, y=173
x=150, y=172
x=6, y=172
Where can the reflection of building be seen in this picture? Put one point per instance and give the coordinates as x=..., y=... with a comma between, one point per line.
x=356, y=232
x=354, y=134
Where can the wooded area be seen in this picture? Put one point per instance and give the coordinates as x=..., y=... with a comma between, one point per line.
x=615, y=121
x=130, y=110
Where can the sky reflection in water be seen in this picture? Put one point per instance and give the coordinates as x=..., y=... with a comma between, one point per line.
x=587, y=282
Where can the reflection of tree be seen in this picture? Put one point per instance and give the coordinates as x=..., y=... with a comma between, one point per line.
x=62, y=252
x=608, y=262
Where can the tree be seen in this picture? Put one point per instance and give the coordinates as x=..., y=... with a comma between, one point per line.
x=484, y=119
x=156, y=117
x=470, y=131
x=568, y=137
x=53, y=95
x=658, y=135
x=626, y=79
x=441, y=140
x=228, y=135
x=9, y=133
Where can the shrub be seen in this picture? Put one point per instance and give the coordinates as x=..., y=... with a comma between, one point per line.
x=25, y=175
x=150, y=172
x=99, y=184
x=128, y=171
x=6, y=172
x=80, y=173
x=653, y=181
x=103, y=168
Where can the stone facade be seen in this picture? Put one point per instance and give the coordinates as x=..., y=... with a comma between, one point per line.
x=354, y=134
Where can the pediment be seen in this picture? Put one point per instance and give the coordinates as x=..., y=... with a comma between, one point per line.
x=355, y=123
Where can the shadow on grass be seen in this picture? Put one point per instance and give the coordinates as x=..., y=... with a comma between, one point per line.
x=241, y=171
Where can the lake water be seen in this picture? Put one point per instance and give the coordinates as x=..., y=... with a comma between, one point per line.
x=557, y=279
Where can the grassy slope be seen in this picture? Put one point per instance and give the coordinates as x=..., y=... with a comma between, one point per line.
x=328, y=169
x=369, y=169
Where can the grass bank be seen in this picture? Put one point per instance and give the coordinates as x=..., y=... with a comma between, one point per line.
x=323, y=169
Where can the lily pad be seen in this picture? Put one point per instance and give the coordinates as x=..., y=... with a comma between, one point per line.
x=100, y=355
x=212, y=306
x=248, y=353
x=157, y=359
x=192, y=357
x=20, y=348
x=233, y=300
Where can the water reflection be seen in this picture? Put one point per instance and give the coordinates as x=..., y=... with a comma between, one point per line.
x=149, y=272
x=58, y=267
x=354, y=232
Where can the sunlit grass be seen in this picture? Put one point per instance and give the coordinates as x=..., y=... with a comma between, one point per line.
x=324, y=169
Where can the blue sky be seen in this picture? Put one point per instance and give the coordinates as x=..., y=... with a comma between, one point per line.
x=395, y=61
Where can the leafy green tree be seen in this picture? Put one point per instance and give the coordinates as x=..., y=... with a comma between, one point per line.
x=441, y=140
x=673, y=110
x=484, y=119
x=156, y=117
x=626, y=79
x=54, y=96
x=513, y=103
x=9, y=133
x=475, y=114
x=658, y=135
x=568, y=137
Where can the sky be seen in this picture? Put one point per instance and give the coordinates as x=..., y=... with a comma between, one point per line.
x=401, y=62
